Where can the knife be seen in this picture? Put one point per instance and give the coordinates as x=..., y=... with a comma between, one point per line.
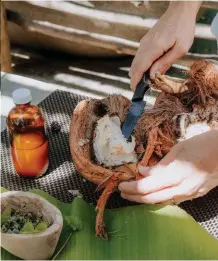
x=137, y=106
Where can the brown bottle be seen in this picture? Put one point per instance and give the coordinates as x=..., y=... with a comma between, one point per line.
x=28, y=141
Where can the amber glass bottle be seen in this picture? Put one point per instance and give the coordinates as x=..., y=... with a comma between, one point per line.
x=28, y=141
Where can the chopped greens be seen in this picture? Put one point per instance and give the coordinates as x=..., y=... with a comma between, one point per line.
x=41, y=227
x=22, y=222
x=27, y=228
x=6, y=214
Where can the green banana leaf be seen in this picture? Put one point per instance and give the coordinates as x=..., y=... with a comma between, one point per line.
x=152, y=232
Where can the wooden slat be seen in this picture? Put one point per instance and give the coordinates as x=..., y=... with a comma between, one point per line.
x=80, y=29
x=210, y=4
x=118, y=45
x=141, y=8
x=5, y=44
x=131, y=27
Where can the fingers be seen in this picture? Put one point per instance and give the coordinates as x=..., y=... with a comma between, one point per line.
x=177, y=200
x=156, y=197
x=166, y=61
x=191, y=189
x=172, y=156
x=144, y=171
x=161, y=59
x=142, y=62
x=159, y=178
x=184, y=191
x=169, y=158
x=186, y=184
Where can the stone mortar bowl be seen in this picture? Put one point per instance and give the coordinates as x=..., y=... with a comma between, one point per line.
x=40, y=246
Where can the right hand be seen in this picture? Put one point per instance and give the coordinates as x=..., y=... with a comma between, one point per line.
x=169, y=39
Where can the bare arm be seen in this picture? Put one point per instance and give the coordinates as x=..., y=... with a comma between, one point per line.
x=169, y=39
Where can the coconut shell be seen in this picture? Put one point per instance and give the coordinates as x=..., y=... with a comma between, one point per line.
x=155, y=133
x=176, y=97
x=84, y=119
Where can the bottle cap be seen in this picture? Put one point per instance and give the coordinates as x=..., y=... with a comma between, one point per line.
x=21, y=96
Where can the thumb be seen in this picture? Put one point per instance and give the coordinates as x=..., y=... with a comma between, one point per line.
x=135, y=79
x=150, y=171
x=166, y=61
x=144, y=171
x=162, y=164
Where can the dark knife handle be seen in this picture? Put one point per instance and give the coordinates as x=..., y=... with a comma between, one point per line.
x=142, y=87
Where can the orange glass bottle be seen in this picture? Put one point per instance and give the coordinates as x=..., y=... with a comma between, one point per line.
x=28, y=141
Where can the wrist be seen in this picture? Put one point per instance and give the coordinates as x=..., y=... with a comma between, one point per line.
x=216, y=178
x=190, y=8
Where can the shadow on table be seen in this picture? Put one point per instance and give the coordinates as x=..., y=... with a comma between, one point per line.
x=90, y=75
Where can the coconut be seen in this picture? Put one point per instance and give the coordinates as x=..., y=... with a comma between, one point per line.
x=200, y=87
x=39, y=246
x=84, y=119
x=200, y=120
x=180, y=108
x=110, y=146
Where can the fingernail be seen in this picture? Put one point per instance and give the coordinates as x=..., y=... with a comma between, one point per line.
x=155, y=74
x=143, y=170
x=123, y=195
x=120, y=187
x=152, y=75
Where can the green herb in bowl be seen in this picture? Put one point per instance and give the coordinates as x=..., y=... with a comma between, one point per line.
x=21, y=222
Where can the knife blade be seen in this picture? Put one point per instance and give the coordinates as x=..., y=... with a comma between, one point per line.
x=137, y=106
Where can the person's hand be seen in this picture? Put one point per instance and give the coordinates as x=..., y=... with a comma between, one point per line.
x=188, y=171
x=169, y=39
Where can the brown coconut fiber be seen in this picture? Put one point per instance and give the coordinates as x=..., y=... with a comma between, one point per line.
x=156, y=132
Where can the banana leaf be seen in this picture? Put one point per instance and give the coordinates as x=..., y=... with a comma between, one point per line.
x=152, y=232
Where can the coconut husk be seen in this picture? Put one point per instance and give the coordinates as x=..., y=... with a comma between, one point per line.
x=156, y=132
x=84, y=118
x=200, y=87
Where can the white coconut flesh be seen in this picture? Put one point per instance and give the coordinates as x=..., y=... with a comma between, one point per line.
x=193, y=129
x=110, y=146
x=196, y=122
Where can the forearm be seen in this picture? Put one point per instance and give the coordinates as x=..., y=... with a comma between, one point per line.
x=189, y=7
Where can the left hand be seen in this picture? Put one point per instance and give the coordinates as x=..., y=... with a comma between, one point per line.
x=188, y=171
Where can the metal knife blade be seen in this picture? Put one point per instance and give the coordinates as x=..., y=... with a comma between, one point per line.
x=137, y=106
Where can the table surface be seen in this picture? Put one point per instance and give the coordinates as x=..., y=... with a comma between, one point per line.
x=10, y=82
x=58, y=106
x=73, y=84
